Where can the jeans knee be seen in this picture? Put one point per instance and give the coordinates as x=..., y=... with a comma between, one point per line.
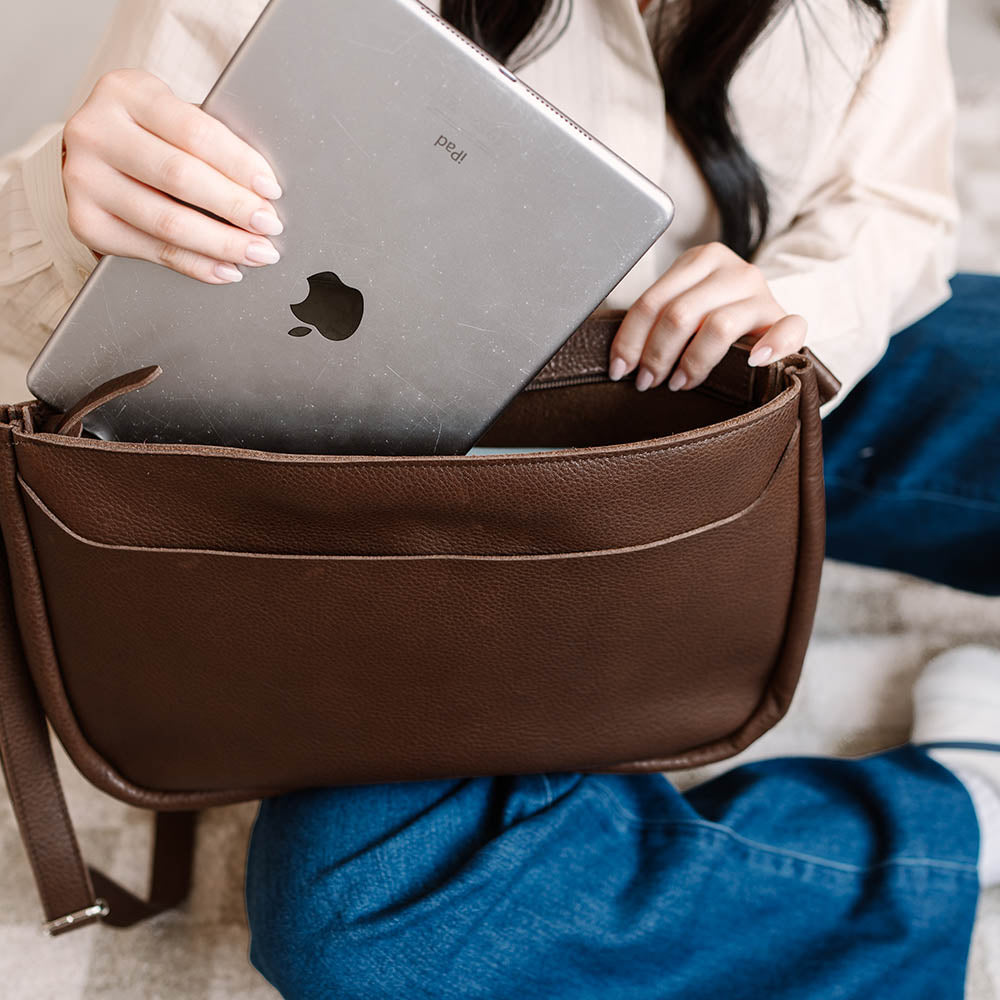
x=328, y=913
x=303, y=955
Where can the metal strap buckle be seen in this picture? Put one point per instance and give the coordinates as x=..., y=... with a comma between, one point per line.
x=98, y=909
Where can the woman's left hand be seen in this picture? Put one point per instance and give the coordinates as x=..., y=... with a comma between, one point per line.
x=688, y=319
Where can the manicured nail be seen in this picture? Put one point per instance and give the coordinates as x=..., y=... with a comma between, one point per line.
x=644, y=379
x=759, y=356
x=266, y=187
x=677, y=381
x=266, y=223
x=617, y=369
x=263, y=253
x=228, y=273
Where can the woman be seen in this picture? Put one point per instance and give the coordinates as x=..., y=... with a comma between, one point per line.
x=810, y=162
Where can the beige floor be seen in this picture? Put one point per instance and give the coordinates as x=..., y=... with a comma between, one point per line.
x=874, y=631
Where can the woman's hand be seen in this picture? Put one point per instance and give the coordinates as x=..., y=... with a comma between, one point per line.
x=133, y=143
x=688, y=319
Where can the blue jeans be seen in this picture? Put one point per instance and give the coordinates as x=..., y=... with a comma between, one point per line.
x=786, y=879
x=802, y=878
x=912, y=454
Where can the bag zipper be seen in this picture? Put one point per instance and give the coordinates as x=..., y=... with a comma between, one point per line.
x=555, y=383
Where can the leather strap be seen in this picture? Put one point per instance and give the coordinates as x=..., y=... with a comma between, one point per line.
x=170, y=873
x=71, y=422
x=72, y=895
x=33, y=783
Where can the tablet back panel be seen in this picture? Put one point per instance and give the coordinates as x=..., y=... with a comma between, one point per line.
x=432, y=201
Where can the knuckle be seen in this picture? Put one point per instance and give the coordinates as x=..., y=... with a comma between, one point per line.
x=645, y=309
x=79, y=131
x=655, y=357
x=152, y=83
x=722, y=328
x=112, y=80
x=125, y=81
x=159, y=102
x=173, y=171
x=715, y=255
x=195, y=129
x=167, y=225
x=73, y=129
x=170, y=255
x=696, y=371
x=695, y=363
x=81, y=220
x=74, y=176
x=676, y=316
x=240, y=209
x=234, y=246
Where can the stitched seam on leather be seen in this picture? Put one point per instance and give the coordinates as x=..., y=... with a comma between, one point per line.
x=673, y=443
x=728, y=744
x=101, y=774
x=88, y=761
x=443, y=473
x=503, y=557
x=769, y=709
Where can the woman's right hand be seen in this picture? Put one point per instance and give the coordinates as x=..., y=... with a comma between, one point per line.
x=131, y=141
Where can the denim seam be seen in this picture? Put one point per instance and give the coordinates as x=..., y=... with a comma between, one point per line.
x=548, y=790
x=842, y=866
x=906, y=494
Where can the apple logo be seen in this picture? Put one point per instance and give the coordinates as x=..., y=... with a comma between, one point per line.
x=335, y=309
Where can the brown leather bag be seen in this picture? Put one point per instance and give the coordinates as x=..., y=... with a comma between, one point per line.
x=205, y=625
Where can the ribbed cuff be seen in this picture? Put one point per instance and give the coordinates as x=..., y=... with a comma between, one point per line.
x=41, y=171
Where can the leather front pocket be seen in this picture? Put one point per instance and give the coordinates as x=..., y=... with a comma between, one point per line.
x=196, y=669
x=585, y=498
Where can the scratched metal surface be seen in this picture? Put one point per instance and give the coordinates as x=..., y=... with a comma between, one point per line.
x=474, y=268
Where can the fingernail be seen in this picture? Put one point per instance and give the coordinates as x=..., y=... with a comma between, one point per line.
x=677, y=381
x=263, y=253
x=266, y=187
x=644, y=379
x=266, y=223
x=228, y=273
x=759, y=356
x=617, y=369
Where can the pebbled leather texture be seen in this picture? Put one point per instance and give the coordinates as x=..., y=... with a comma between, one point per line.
x=204, y=625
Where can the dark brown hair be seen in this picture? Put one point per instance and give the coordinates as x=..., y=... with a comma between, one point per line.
x=696, y=66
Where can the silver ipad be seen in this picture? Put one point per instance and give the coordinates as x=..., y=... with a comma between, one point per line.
x=446, y=229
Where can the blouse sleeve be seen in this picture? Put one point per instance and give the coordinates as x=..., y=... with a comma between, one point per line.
x=186, y=43
x=873, y=246
x=42, y=264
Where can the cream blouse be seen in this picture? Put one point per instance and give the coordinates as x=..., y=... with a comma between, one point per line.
x=854, y=143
